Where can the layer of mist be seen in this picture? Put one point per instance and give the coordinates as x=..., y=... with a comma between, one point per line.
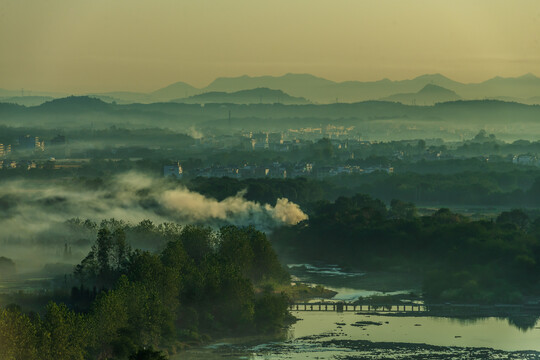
x=34, y=214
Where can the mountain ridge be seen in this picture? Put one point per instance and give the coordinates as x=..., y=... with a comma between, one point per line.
x=320, y=90
x=250, y=96
x=428, y=95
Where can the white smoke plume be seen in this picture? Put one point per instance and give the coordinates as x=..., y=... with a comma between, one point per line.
x=33, y=213
x=237, y=210
x=194, y=133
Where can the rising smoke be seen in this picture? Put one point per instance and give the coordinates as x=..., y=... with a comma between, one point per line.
x=33, y=214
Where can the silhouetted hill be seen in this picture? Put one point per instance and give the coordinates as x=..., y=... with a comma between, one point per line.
x=325, y=91
x=428, y=95
x=174, y=91
x=11, y=109
x=74, y=104
x=122, y=97
x=319, y=90
x=28, y=93
x=26, y=100
x=288, y=83
x=252, y=96
x=533, y=100
x=87, y=112
x=433, y=79
x=522, y=87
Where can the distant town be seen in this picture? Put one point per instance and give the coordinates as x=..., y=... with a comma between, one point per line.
x=311, y=152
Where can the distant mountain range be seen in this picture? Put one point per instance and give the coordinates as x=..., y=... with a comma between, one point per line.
x=301, y=88
x=253, y=96
x=380, y=119
x=26, y=100
x=316, y=89
x=176, y=90
x=428, y=95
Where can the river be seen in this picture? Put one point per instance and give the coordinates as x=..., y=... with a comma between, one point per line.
x=347, y=335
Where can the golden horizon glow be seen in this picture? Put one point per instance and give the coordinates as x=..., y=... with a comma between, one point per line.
x=134, y=45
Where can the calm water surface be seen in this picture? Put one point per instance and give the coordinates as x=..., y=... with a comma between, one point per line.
x=332, y=335
x=329, y=335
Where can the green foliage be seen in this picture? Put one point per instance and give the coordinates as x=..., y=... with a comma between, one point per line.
x=147, y=354
x=7, y=266
x=63, y=334
x=461, y=260
x=270, y=312
x=252, y=253
x=515, y=217
x=402, y=210
x=107, y=259
x=201, y=281
x=322, y=150
x=108, y=321
x=18, y=336
x=198, y=241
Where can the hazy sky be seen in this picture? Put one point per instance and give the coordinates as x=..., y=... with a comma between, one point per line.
x=142, y=45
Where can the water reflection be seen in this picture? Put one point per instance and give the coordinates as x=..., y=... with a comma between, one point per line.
x=324, y=270
x=522, y=322
x=332, y=335
x=350, y=336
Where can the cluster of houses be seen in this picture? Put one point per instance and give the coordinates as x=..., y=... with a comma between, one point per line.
x=27, y=144
x=526, y=159
x=30, y=143
x=5, y=150
x=277, y=141
x=275, y=170
x=21, y=164
x=50, y=164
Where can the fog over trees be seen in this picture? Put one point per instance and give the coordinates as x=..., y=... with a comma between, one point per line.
x=138, y=229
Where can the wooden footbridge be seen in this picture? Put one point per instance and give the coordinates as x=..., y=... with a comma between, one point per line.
x=343, y=306
x=417, y=309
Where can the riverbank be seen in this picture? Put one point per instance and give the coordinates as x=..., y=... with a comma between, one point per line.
x=352, y=335
x=331, y=335
x=350, y=285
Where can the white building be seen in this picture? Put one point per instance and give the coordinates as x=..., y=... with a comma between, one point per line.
x=526, y=159
x=173, y=170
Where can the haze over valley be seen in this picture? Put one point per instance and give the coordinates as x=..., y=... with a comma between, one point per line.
x=301, y=88
x=269, y=179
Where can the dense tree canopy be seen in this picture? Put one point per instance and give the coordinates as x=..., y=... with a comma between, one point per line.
x=460, y=259
x=202, y=282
